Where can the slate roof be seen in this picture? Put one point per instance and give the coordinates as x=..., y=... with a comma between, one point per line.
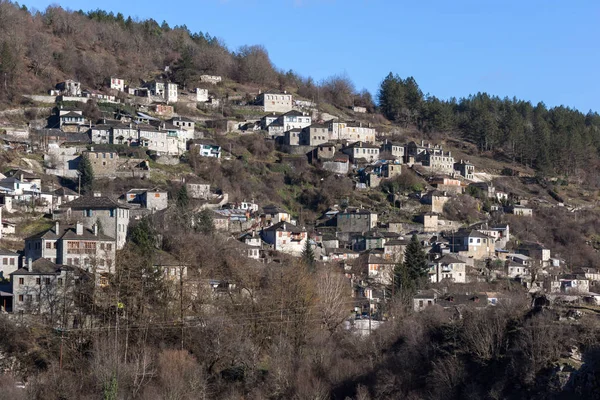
x=284, y=227
x=449, y=260
x=85, y=202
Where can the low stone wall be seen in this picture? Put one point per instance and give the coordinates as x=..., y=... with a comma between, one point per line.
x=41, y=98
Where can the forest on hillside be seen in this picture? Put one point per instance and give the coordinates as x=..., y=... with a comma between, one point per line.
x=39, y=49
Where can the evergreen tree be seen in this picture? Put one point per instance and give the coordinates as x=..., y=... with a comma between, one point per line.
x=86, y=175
x=183, y=199
x=308, y=256
x=409, y=274
x=204, y=222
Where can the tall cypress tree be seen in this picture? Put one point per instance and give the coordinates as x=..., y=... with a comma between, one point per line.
x=86, y=173
x=308, y=256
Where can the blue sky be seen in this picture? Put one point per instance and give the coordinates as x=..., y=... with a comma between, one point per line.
x=538, y=50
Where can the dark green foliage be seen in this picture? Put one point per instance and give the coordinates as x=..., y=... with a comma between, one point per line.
x=308, y=256
x=409, y=275
x=204, y=222
x=183, y=199
x=86, y=174
x=143, y=235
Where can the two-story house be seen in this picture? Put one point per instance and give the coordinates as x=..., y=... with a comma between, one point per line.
x=356, y=220
x=362, y=150
x=73, y=245
x=285, y=237
x=448, y=267
x=43, y=287
x=112, y=217
x=275, y=101
x=9, y=263
x=472, y=244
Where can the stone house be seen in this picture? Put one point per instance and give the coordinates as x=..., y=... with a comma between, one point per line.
x=338, y=164
x=73, y=245
x=356, y=220
x=390, y=170
x=197, y=190
x=447, y=184
x=285, y=237
x=471, y=244
x=424, y=299
x=104, y=163
x=71, y=120
x=69, y=88
x=9, y=263
x=125, y=134
x=292, y=137
x=394, y=249
x=352, y=131
x=438, y=160
x=358, y=109
x=274, y=101
x=487, y=188
x=273, y=214
x=43, y=287
x=520, y=210
x=396, y=150
x=362, y=150
x=378, y=270
x=151, y=199
x=465, y=169
x=430, y=222
x=436, y=199
x=113, y=217
x=314, y=135
x=448, y=267
x=183, y=123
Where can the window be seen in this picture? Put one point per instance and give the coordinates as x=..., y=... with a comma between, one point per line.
x=38, y=281
x=60, y=281
x=47, y=281
x=21, y=281
x=420, y=303
x=478, y=240
x=12, y=261
x=101, y=246
x=109, y=246
x=20, y=298
x=88, y=213
x=112, y=213
x=48, y=245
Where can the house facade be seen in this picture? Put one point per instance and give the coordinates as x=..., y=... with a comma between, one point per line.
x=448, y=267
x=112, y=217
x=285, y=237
x=356, y=220
x=273, y=101
x=73, y=245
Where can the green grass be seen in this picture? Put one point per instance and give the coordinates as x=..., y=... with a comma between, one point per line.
x=33, y=226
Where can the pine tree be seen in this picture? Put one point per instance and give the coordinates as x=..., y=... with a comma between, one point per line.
x=86, y=174
x=409, y=274
x=308, y=256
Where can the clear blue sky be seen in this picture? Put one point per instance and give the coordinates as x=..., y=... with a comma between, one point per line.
x=538, y=50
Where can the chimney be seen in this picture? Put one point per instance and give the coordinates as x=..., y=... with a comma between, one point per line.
x=422, y=143
x=56, y=227
x=95, y=229
x=79, y=228
x=29, y=264
x=97, y=194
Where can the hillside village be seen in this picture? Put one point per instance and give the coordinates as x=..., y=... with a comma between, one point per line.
x=184, y=220
x=86, y=229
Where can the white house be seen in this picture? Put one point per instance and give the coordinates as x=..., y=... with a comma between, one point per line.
x=285, y=237
x=448, y=267
x=117, y=84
